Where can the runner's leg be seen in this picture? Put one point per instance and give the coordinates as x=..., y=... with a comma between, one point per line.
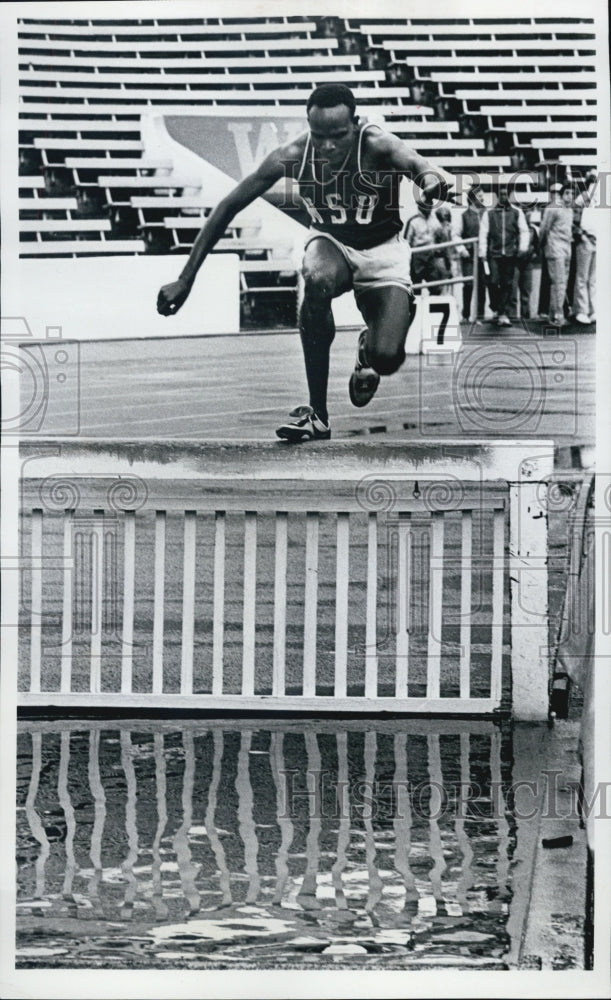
x=388, y=312
x=326, y=274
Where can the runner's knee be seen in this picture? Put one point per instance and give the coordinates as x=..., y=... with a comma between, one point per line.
x=385, y=360
x=318, y=286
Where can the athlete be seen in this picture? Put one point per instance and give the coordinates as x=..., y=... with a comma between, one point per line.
x=348, y=177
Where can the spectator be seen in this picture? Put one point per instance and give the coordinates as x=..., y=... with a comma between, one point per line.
x=503, y=238
x=527, y=265
x=555, y=240
x=421, y=231
x=470, y=224
x=584, y=231
x=585, y=251
x=397, y=74
x=447, y=257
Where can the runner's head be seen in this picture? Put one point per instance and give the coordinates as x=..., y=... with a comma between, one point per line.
x=333, y=122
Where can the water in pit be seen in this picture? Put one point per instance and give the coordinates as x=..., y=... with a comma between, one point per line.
x=270, y=845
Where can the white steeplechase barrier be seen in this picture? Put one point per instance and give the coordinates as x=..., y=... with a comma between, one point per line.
x=387, y=577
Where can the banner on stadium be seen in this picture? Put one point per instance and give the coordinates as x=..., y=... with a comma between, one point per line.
x=236, y=145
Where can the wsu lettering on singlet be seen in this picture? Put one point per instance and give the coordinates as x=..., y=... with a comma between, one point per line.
x=359, y=208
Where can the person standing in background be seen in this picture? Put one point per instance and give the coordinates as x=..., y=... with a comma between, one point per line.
x=448, y=257
x=585, y=276
x=470, y=225
x=526, y=266
x=584, y=229
x=503, y=238
x=555, y=240
x=422, y=230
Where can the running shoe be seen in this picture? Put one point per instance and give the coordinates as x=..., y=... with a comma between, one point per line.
x=306, y=426
x=364, y=380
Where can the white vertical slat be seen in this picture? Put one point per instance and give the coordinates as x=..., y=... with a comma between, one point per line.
x=371, y=648
x=498, y=566
x=404, y=557
x=341, y=604
x=466, y=583
x=433, y=665
x=188, y=603
x=218, y=610
x=66, y=668
x=97, y=592
x=279, y=660
x=36, y=616
x=129, y=580
x=250, y=588
x=158, y=601
x=310, y=605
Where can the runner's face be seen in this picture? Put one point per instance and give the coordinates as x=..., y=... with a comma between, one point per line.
x=332, y=131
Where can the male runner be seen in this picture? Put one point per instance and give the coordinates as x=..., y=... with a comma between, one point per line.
x=348, y=176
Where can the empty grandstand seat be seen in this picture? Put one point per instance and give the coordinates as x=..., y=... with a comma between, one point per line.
x=31, y=184
x=30, y=207
x=85, y=86
x=56, y=248
x=60, y=148
x=479, y=28
x=537, y=128
x=159, y=27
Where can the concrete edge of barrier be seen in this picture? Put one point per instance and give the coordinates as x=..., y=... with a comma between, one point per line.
x=511, y=460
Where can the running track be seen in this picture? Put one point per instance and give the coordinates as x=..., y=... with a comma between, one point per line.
x=514, y=383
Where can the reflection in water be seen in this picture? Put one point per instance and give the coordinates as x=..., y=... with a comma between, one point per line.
x=264, y=844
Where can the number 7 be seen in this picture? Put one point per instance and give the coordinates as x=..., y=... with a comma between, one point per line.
x=444, y=309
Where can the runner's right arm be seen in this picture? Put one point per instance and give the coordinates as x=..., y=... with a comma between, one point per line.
x=171, y=297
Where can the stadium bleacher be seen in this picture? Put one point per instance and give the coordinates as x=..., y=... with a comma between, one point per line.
x=473, y=94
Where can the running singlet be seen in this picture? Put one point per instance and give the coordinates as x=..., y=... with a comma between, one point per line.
x=359, y=208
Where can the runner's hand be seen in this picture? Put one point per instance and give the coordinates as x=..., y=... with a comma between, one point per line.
x=171, y=297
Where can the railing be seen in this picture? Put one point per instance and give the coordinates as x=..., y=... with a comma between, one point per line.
x=473, y=241
x=393, y=577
